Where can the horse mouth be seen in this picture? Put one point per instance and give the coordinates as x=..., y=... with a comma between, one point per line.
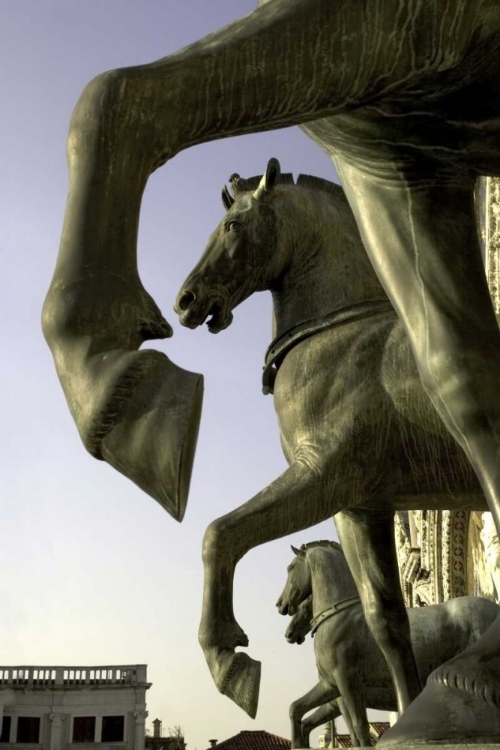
x=218, y=317
x=293, y=638
x=287, y=608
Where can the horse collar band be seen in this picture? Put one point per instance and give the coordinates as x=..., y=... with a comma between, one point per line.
x=333, y=610
x=282, y=344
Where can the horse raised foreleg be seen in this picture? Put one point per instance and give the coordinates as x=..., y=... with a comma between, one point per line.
x=367, y=539
x=136, y=409
x=328, y=712
x=299, y=498
x=320, y=694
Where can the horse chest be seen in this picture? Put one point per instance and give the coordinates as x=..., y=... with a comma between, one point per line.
x=344, y=643
x=328, y=393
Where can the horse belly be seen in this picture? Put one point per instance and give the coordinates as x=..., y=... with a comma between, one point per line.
x=441, y=127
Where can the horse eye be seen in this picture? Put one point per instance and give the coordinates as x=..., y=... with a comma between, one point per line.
x=233, y=226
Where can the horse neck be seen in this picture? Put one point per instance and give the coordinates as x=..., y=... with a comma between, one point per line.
x=323, y=264
x=331, y=579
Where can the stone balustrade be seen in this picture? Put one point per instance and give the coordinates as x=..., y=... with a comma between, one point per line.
x=73, y=676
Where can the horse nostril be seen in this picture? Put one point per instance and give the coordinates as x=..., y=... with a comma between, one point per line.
x=186, y=299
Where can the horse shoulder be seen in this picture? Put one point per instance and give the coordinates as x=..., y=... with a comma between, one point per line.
x=329, y=385
x=344, y=642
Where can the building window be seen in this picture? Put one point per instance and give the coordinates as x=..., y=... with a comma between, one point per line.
x=5, y=735
x=112, y=728
x=84, y=729
x=28, y=729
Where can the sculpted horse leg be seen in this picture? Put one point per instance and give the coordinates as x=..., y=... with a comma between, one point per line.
x=328, y=712
x=423, y=242
x=367, y=539
x=136, y=409
x=320, y=694
x=340, y=705
x=350, y=685
x=299, y=498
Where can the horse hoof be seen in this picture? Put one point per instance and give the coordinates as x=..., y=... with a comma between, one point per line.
x=444, y=714
x=242, y=683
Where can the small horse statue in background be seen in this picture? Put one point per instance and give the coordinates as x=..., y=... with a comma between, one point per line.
x=353, y=674
x=357, y=428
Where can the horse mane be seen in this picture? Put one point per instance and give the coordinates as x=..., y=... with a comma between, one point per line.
x=242, y=185
x=321, y=543
x=319, y=183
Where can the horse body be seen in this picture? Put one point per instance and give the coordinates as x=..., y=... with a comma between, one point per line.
x=345, y=650
x=364, y=440
x=446, y=119
x=374, y=432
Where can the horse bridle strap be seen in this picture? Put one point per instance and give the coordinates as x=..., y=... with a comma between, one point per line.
x=333, y=610
x=282, y=344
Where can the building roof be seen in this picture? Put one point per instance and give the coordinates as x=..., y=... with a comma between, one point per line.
x=379, y=727
x=343, y=740
x=259, y=740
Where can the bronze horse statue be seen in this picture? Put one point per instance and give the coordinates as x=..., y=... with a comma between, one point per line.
x=357, y=429
x=405, y=98
x=352, y=671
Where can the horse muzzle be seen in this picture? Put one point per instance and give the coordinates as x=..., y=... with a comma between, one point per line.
x=293, y=637
x=193, y=312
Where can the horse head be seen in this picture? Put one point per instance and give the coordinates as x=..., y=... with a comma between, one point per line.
x=298, y=584
x=236, y=261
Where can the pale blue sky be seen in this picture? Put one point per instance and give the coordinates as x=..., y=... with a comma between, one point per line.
x=95, y=572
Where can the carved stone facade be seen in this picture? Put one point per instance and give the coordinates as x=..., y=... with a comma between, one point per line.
x=443, y=554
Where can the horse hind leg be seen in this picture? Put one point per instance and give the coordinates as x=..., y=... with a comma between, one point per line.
x=367, y=539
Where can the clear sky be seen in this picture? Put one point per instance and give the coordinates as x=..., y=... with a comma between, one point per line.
x=95, y=572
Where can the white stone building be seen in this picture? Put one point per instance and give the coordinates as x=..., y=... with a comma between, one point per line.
x=73, y=708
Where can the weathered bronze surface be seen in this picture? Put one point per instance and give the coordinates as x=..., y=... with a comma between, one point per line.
x=363, y=437
x=321, y=595
x=406, y=98
x=134, y=409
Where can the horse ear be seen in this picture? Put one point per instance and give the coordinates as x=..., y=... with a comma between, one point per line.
x=273, y=173
x=269, y=180
x=227, y=198
x=295, y=550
